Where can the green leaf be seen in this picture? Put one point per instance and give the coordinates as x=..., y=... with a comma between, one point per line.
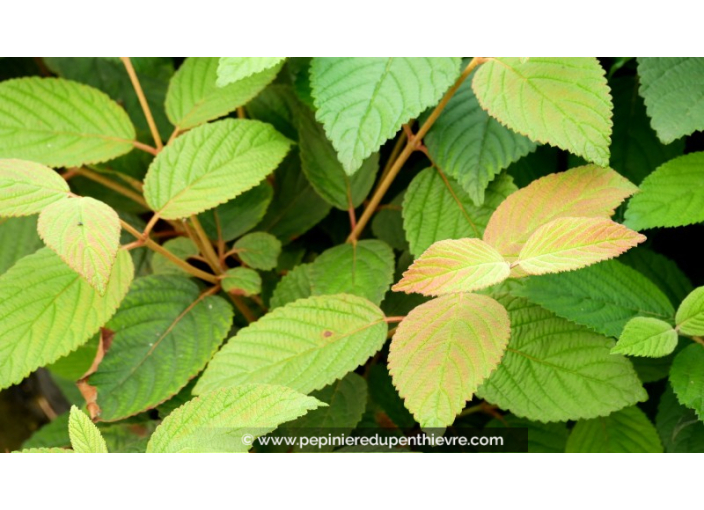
x=542, y=437
x=61, y=123
x=673, y=91
x=635, y=148
x=228, y=420
x=294, y=285
x=437, y=208
x=275, y=105
x=325, y=172
x=194, y=98
x=645, y=336
x=76, y=363
x=304, y=345
x=108, y=74
x=85, y=233
x=679, y=428
x=690, y=314
x=661, y=271
x=364, y=269
x=212, y=164
x=45, y=450
x=603, y=297
x=554, y=370
x=165, y=333
x=18, y=237
x=85, y=436
x=461, y=265
x=472, y=147
x=233, y=69
x=259, y=250
x=362, y=102
x=238, y=216
x=625, y=431
x=687, y=378
x=566, y=244
x=27, y=187
x=587, y=191
x=242, y=281
x=672, y=196
x=387, y=224
x=47, y=311
x=561, y=101
x=443, y=350
x=183, y=248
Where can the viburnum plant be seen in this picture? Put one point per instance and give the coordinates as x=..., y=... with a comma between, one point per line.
x=246, y=246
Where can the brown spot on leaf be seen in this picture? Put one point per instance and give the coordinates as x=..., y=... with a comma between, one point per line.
x=327, y=334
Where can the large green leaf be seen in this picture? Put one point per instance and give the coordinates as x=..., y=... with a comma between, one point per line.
x=625, y=431
x=674, y=94
x=85, y=436
x=437, y=208
x=165, y=333
x=233, y=69
x=27, y=187
x=554, y=370
x=443, y=350
x=661, y=271
x=194, y=98
x=364, y=269
x=542, y=437
x=238, y=216
x=362, y=102
x=687, y=378
x=603, y=297
x=18, y=237
x=304, y=345
x=690, y=314
x=561, y=101
x=325, y=172
x=212, y=164
x=645, y=336
x=259, y=250
x=85, y=233
x=61, y=123
x=679, y=428
x=229, y=420
x=672, y=196
x=296, y=284
x=47, y=310
x=471, y=146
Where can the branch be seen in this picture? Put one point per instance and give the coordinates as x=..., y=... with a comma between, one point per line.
x=143, y=102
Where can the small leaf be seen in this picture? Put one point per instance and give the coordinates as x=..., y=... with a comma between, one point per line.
x=85, y=436
x=233, y=69
x=304, y=345
x=443, y=350
x=61, y=123
x=625, y=431
x=462, y=265
x=259, y=250
x=436, y=208
x=26, y=187
x=554, y=370
x=603, y=297
x=672, y=196
x=561, y=101
x=47, y=311
x=193, y=97
x=587, y=191
x=687, y=378
x=229, y=420
x=242, y=281
x=362, y=102
x=85, y=233
x=364, y=269
x=239, y=215
x=566, y=244
x=690, y=314
x=672, y=89
x=212, y=164
x=645, y=336
x=18, y=238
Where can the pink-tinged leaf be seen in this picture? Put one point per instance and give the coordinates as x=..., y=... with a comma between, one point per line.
x=587, y=191
x=85, y=233
x=454, y=265
x=566, y=244
x=443, y=350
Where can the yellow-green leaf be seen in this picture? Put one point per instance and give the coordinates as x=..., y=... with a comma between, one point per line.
x=85, y=436
x=233, y=69
x=27, y=187
x=646, y=336
x=690, y=314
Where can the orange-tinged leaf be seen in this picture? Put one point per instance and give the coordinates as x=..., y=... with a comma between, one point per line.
x=566, y=244
x=454, y=265
x=587, y=191
x=443, y=350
